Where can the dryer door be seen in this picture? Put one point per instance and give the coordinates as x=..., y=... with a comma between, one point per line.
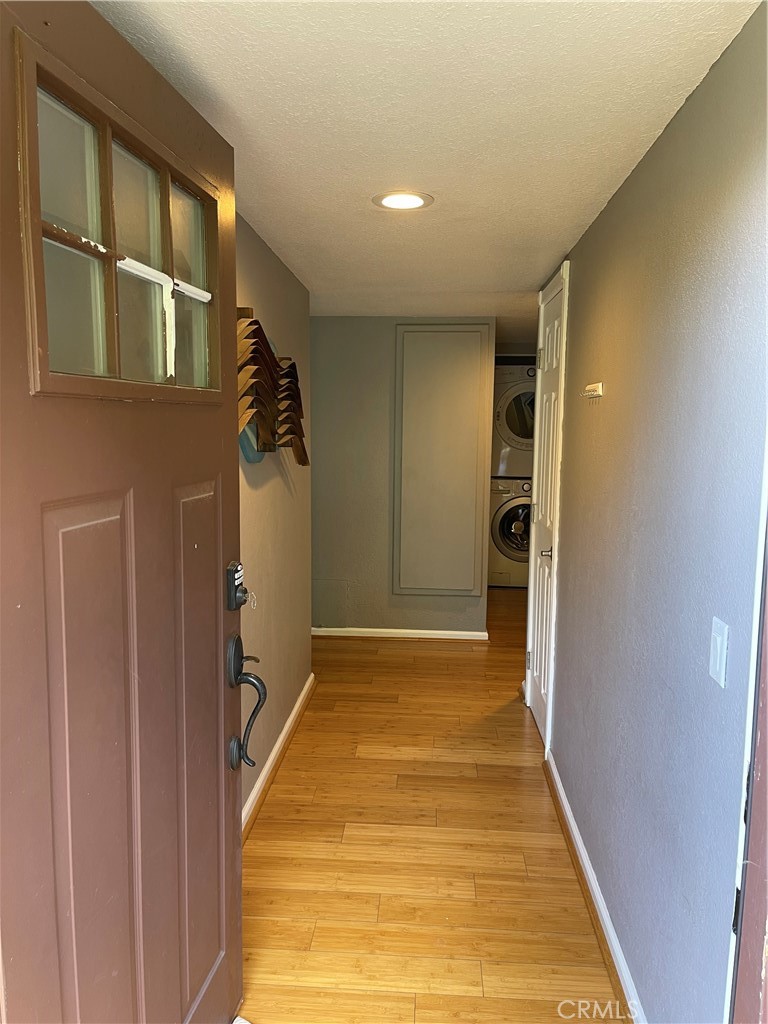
x=513, y=415
x=511, y=528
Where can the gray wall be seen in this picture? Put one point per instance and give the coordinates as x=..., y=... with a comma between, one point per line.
x=275, y=511
x=660, y=525
x=353, y=395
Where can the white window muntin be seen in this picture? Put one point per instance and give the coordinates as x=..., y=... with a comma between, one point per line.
x=169, y=286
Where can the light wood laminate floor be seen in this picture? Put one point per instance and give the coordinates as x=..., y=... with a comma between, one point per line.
x=408, y=864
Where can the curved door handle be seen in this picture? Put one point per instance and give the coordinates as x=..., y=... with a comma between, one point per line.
x=236, y=676
x=547, y=553
x=238, y=749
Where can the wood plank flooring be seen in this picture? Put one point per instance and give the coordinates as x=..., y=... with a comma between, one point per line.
x=407, y=864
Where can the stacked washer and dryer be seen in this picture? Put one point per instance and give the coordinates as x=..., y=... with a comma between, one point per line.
x=514, y=394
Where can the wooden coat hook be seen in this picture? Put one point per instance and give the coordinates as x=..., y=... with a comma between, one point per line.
x=269, y=408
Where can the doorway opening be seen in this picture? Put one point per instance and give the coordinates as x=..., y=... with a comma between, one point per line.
x=511, y=481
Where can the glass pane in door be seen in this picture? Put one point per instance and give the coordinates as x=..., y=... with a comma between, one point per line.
x=74, y=298
x=515, y=531
x=142, y=334
x=136, y=188
x=69, y=169
x=188, y=230
x=191, y=343
x=520, y=414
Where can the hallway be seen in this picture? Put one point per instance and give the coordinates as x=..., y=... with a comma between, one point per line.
x=408, y=864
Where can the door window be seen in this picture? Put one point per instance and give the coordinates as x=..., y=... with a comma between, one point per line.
x=511, y=529
x=122, y=280
x=136, y=197
x=520, y=415
x=76, y=313
x=514, y=416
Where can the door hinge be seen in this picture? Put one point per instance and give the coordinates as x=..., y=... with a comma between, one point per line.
x=527, y=659
x=534, y=506
x=736, y=909
x=538, y=358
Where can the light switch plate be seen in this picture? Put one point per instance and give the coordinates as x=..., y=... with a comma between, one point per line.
x=718, y=651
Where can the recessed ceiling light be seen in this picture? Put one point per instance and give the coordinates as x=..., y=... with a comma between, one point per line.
x=402, y=200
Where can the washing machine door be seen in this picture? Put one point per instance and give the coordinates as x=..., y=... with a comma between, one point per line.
x=513, y=415
x=511, y=528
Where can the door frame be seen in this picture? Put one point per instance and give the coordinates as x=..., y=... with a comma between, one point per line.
x=559, y=282
x=749, y=987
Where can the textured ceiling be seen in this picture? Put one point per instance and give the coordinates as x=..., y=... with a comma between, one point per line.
x=521, y=118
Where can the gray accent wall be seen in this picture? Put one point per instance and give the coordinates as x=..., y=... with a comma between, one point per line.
x=275, y=515
x=661, y=523
x=353, y=484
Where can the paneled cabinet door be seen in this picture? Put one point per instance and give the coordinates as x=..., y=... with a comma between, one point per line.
x=442, y=460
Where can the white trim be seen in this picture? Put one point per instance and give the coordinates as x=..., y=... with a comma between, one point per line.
x=192, y=291
x=277, y=750
x=622, y=967
x=145, y=272
x=412, y=634
x=169, y=286
x=555, y=284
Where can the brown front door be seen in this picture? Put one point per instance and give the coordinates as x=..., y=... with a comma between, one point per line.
x=750, y=994
x=119, y=825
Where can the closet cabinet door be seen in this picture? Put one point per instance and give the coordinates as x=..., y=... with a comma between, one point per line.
x=442, y=458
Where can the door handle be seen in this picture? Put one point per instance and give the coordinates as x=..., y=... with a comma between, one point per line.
x=236, y=676
x=238, y=749
x=547, y=553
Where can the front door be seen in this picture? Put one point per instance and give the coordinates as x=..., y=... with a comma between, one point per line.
x=120, y=862
x=547, y=450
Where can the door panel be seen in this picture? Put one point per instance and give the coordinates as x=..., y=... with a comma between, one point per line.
x=89, y=587
x=543, y=581
x=546, y=497
x=444, y=396
x=198, y=569
x=120, y=819
x=545, y=483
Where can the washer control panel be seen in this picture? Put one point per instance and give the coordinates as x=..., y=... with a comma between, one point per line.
x=509, y=488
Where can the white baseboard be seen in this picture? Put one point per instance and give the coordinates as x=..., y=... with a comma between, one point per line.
x=403, y=634
x=277, y=750
x=638, y=1014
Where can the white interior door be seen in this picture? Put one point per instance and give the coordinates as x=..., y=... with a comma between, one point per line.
x=547, y=448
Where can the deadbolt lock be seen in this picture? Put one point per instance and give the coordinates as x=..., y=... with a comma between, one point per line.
x=237, y=592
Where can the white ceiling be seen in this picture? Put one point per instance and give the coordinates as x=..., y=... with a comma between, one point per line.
x=521, y=118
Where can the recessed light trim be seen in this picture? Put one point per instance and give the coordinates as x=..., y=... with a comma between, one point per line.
x=403, y=199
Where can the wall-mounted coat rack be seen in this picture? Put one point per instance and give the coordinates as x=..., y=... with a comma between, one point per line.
x=269, y=408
